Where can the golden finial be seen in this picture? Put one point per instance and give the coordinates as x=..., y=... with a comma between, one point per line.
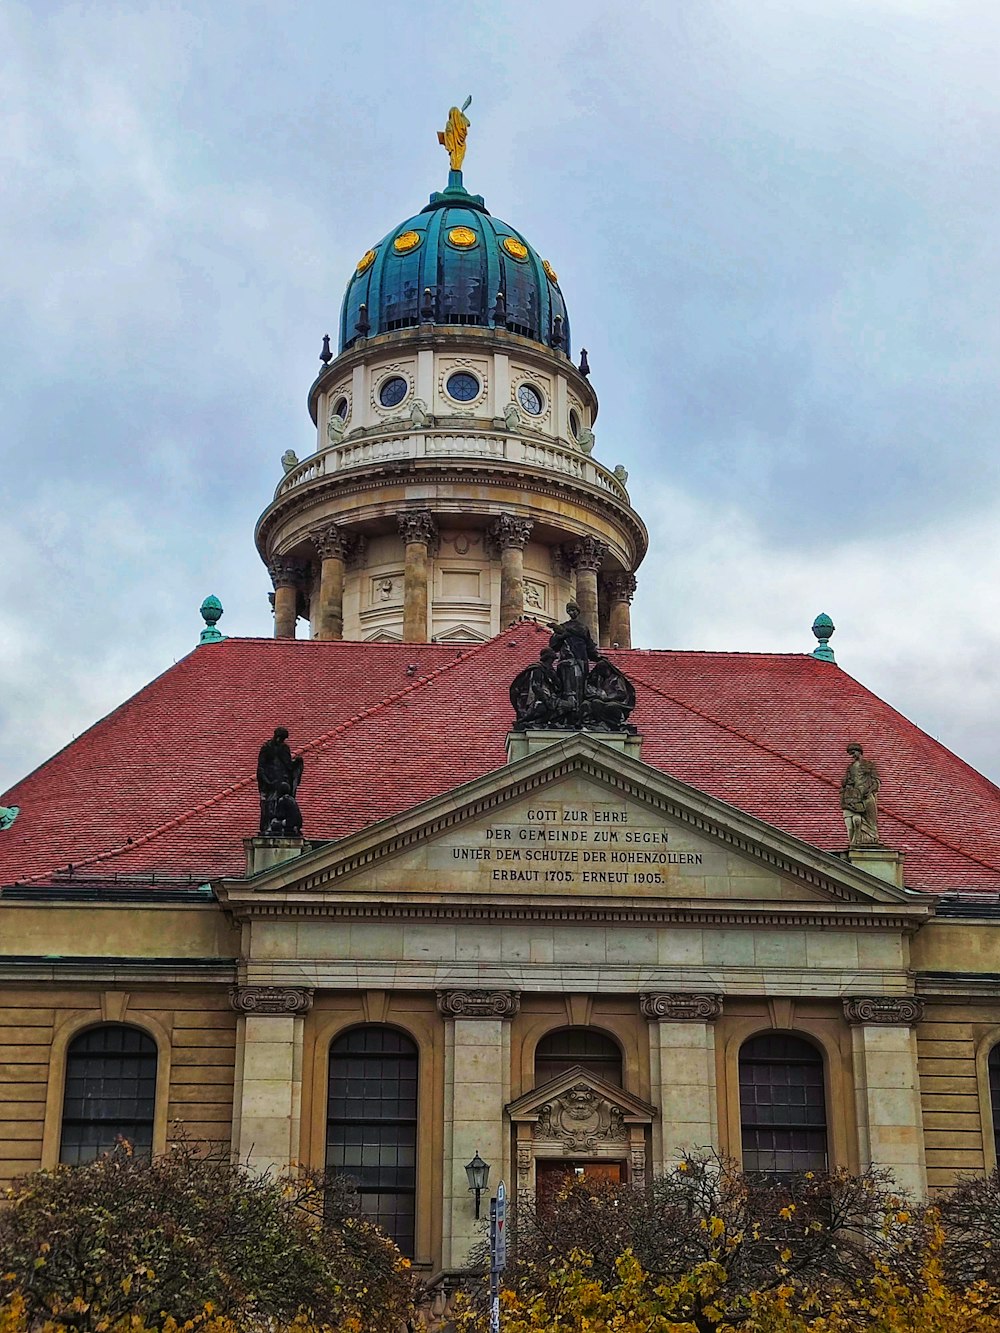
x=455, y=132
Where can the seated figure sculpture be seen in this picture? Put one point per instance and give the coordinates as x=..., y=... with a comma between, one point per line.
x=559, y=693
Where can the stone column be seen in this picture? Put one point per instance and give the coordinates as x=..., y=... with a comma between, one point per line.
x=477, y=1088
x=682, y=1073
x=588, y=554
x=332, y=544
x=267, y=1106
x=887, y=1087
x=511, y=535
x=286, y=575
x=621, y=589
x=418, y=530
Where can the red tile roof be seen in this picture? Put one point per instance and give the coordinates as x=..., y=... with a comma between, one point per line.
x=166, y=783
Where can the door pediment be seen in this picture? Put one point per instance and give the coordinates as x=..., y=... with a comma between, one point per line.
x=577, y=821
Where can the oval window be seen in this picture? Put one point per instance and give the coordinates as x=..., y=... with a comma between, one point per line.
x=574, y=424
x=530, y=399
x=462, y=386
x=340, y=409
x=393, y=391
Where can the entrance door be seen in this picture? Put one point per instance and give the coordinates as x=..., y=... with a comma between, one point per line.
x=552, y=1177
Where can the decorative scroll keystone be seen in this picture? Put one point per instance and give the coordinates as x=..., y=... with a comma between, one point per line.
x=510, y=532
x=621, y=587
x=589, y=553
x=884, y=1010
x=280, y=1000
x=286, y=572
x=331, y=541
x=680, y=1006
x=417, y=525
x=478, y=1003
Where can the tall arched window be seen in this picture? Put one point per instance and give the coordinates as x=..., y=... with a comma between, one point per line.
x=782, y=1106
x=993, y=1065
x=110, y=1092
x=371, y=1131
x=594, y=1050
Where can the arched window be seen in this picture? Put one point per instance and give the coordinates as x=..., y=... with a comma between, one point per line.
x=782, y=1106
x=590, y=1048
x=110, y=1092
x=993, y=1065
x=371, y=1132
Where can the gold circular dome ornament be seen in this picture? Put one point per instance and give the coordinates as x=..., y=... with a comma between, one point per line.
x=463, y=238
x=515, y=248
x=366, y=261
x=550, y=273
x=406, y=241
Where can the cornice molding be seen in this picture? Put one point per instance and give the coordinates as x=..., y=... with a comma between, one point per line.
x=284, y=1001
x=680, y=1006
x=883, y=1010
x=503, y=1004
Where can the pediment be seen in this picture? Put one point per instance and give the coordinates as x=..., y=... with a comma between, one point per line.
x=580, y=821
x=575, y=1098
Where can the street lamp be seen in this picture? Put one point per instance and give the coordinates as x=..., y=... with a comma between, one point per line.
x=478, y=1174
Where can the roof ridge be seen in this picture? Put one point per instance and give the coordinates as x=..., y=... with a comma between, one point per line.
x=820, y=777
x=418, y=683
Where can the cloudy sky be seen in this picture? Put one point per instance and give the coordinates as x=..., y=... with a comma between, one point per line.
x=775, y=222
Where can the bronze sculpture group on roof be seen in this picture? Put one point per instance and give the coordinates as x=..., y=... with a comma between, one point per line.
x=278, y=778
x=572, y=687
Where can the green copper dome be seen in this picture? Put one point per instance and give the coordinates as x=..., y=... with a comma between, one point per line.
x=447, y=265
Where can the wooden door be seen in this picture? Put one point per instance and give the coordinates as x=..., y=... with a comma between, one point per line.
x=552, y=1177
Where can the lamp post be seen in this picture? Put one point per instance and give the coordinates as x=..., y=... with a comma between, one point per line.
x=478, y=1174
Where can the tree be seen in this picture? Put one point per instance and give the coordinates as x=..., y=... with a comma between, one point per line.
x=126, y=1237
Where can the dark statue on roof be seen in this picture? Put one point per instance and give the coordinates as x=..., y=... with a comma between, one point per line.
x=859, y=799
x=278, y=778
x=572, y=687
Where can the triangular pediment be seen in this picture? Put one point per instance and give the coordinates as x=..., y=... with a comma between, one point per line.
x=580, y=821
x=577, y=1088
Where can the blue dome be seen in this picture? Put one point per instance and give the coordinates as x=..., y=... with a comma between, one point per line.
x=446, y=265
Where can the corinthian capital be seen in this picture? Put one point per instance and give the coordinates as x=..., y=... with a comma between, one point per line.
x=478, y=1003
x=681, y=1006
x=417, y=525
x=589, y=553
x=286, y=572
x=621, y=587
x=884, y=1010
x=510, y=531
x=331, y=541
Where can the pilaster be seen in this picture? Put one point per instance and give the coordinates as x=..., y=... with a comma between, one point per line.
x=682, y=1073
x=887, y=1087
x=477, y=1088
x=267, y=1107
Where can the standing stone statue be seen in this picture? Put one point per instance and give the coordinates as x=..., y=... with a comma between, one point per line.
x=278, y=778
x=859, y=799
x=574, y=645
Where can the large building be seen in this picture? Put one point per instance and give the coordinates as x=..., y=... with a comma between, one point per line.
x=566, y=950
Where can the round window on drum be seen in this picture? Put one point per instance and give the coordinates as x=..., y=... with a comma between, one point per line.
x=531, y=399
x=462, y=386
x=392, y=391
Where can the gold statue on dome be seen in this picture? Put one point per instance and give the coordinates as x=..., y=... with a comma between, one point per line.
x=455, y=133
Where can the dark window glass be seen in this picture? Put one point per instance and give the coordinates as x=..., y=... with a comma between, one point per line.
x=574, y=424
x=340, y=409
x=372, y=1125
x=994, y=1070
x=782, y=1106
x=462, y=386
x=592, y=1050
x=110, y=1092
x=393, y=391
x=530, y=399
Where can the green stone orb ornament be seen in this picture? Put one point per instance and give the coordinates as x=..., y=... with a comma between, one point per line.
x=823, y=628
x=211, y=611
